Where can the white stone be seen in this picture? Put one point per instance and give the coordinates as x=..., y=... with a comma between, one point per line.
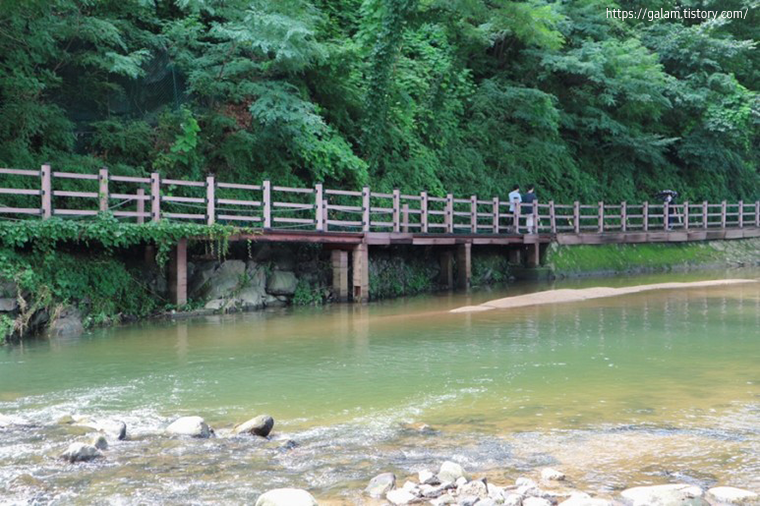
x=474, y=488
x=732, y=495
x=428, y=478
x=380, y=485
x=286, y=497
x=536, y=501
x=677, y=494
x=400, y=496
x=513, y=500
x=460, y=481
x=494, y=491
x=193, y=426
x=260, y=425
x=549, y=474
x=443, y=500
x=450, y=471
x=583, y=499
x=81, y=452
x=525, y=482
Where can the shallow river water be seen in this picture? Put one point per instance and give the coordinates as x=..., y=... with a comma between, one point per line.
x=655, y=387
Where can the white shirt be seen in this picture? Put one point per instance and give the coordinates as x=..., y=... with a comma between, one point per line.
x=514, y=198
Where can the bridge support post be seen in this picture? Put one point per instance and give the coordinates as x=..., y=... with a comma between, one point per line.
x=178, y=274
x=464, y=265
x=514, y=256
x=361, y=273
x=534, y=255
x=340, y=274
x=447, y=269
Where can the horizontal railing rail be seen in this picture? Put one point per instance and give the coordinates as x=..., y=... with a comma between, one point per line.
x=47, y=193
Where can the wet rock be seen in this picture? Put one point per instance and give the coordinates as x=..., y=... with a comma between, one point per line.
x=68, y=323
x=513, y=499
x=400, y=496
x=525, y=482
x=468, y=500
x=475, y=488
x=731, y=495
x=288, y=445
x=81, y=452
x=380, y=485
x=286, y=497
x=282, y=283
x=260, y=426
x=450, y=471
x=256, y=275
x=114, y=428
x=487, y=502
x=193, y=426
x=226, y=279
x=549, y=474
x=6, y=421
x=664, y=495
x=252, y=297
x=460, y=481
x=583, y=499
x=443, y=500
x=436, y=490
x=99, y=442
x=494, y=491
x=428, y=478
x=536, y=501
x=8, y=304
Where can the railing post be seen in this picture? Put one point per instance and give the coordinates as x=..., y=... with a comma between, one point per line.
x=366, y=217
x=405, y=218
x=665, y=215
x=645, y=212
x=319, y=212
x=155, y=197
x=623, y=216
x=210, y=200
x=449, y=216
x=140, y=206
x=741, y=214
x=103, y=189
x=577, y=216
x=723, y=214
x=601, y=217
x=396, y=210
x=705, y=217
x=496, y=215
x=757, y=213
x=535, y=218
x=424, y=211
x=474, y=214
x=266, y=200
x=325, y=216
x=517, y=217
x=46, y=191
x=686, y=215
x=552, y=217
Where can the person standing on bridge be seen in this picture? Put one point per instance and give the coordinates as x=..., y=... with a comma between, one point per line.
x=527, y=210
x=514, y=201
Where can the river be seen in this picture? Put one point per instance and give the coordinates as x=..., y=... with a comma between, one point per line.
x=646, y=388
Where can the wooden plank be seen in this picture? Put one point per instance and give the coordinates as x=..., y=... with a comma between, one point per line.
x=302, y=221
x=75, y=175
x=434, y=241
x=396, y=210
x=130, y=179
x=495, y=215
x=288, y=189
x=103, y=189
x=187, y=200
x=74, y=212
x=235, y=217
x=405, y=218
x=474, y=214
x=236, y=202
x=155, y=197
x=423, y=212
x=21, y=172
x=645, y=218
x=210, y=200
x=347, y=193
x=20, y=210
x=140, y=195
x=686, y=215
x=552, y=218
x=741, y=214
x=67, y=193
x=734, y=233
x=366, y=210
x=141, y=215
x=19, y=191
x=267, y=199
x=182, y=182
x=319, y=211
x=757, y=214
x=236, y=186
x=723, y=214
x=577, y=216
x=46, y=192
x=623, y=216
x=534, y=229
x=600, y=217
x=184, y=216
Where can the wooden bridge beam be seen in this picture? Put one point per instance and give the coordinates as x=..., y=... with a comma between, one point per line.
x=464, y=265
x=340, y=274
x=447, y=269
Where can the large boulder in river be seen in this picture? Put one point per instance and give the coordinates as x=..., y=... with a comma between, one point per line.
x=583, y=499
x=193, y=426
x=68, y=323
x=260, y=426
x=677, y=494
x=732, y=495
x=252, y=297
x=226, y=279
x=286, y=497
x=81, y=452
x=450, y=472
x=381, y=485
x=8, y=304
x=282, y=283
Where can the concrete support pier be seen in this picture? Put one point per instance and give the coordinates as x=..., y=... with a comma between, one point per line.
x=447, y=269
x=361, y=273
x=514, y=256
x=533, y=255
x=178, y=274
x=464, y=265
x=340, y=274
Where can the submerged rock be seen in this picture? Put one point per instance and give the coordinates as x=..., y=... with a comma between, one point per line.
x=193, y=426
x=450, y=471
x=261, y=426
x=583, y=499
x=99, y=442
x=68, y=323
x=549, y=474
x=81, y=452
x=286, y=497
x=664, y=495
x=381, y=485
x=732, y=495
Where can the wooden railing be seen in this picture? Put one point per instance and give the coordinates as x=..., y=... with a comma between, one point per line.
x=48, y=193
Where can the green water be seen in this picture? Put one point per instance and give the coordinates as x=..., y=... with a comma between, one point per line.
x=648, y=388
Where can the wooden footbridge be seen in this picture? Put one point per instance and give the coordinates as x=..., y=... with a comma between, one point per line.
x=349, y=222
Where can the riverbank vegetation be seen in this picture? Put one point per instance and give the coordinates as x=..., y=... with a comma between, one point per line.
x=464, y=96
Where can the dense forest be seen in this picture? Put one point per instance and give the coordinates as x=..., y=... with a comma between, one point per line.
x=468, y=96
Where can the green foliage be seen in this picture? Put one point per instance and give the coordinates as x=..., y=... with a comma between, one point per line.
x=464, y=96
x=308, y=294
